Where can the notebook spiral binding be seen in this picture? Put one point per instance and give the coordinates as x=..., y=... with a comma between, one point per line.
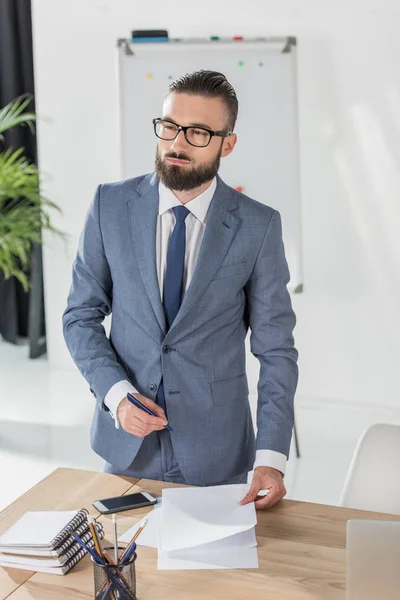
x=74, y=555
x=75, y=559
x=75, y=548
x=79, y=518
x=82, y=531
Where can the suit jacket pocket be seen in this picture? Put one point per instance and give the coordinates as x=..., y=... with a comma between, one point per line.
x=229, y=270
x=230, y=390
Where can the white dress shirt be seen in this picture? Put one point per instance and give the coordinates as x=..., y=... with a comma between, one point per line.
x=195, y=226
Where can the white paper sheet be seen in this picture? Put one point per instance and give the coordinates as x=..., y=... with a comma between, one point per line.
x=37, y=528
x=196, y=516
x=206, y=528
x=149, y=535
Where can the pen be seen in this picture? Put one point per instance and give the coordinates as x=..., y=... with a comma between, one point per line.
x=139, y=404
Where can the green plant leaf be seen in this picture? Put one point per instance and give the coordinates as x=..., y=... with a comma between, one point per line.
x=23, y=209
x=13, y=114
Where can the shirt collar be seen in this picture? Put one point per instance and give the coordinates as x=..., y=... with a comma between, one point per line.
x=198, y=206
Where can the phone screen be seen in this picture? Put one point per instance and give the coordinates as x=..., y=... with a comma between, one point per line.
x=122, y=502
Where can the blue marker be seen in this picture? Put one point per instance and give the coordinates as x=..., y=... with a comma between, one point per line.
x=130, y=552
x=139, y=404
x=90, y=551
x=149, y=35
x=148, y=40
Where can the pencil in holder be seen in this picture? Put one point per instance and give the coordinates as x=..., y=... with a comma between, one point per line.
x=115, y=582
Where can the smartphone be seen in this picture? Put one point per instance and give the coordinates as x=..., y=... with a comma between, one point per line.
x=119, y=503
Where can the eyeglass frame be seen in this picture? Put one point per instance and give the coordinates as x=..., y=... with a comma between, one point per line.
x=223, y=134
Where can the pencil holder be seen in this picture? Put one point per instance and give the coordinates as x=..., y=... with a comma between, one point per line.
x=113, y=582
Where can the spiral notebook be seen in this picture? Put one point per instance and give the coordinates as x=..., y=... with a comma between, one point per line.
x=42, y=541
x=56, y=570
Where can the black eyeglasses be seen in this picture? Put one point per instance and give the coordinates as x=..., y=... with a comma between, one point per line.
x=196, y=136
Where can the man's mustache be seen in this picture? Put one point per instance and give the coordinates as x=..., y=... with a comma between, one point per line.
x=179, y=156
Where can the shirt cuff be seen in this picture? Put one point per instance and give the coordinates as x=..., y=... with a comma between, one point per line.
x=115, y=395
x=271, y=458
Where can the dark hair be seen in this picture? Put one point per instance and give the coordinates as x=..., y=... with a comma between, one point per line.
x=210, y=84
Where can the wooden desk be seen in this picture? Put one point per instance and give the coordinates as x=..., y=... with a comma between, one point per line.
x=301, y=549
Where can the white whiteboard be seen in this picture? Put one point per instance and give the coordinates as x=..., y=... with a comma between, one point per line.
x=265, y=160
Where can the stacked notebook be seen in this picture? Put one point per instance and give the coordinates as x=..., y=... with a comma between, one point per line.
x=42, y=541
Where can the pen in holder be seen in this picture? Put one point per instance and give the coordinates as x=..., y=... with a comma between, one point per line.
x=115, y=582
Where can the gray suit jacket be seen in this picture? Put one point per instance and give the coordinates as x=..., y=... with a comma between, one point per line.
x=239, y=282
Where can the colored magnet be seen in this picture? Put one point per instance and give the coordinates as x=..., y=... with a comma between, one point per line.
x=239, y=188
x=240, y=63
x=149, y=76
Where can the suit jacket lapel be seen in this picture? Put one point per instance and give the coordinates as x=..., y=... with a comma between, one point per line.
x=220, y=230
x=221, y=227
x=143, y=212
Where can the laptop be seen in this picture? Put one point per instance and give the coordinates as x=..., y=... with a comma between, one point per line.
x=373, y=560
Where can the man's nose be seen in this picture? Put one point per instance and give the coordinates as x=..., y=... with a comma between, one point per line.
x=180, y=142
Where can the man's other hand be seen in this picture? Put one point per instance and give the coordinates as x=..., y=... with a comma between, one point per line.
x=265, y=478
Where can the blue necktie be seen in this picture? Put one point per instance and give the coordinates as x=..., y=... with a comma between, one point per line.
x=173, y=283
x=175, y=266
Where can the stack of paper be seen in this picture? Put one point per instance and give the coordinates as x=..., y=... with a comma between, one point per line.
x=202, y=528
x=41, y=541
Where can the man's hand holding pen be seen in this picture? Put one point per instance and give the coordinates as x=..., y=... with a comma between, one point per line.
x=136, y=421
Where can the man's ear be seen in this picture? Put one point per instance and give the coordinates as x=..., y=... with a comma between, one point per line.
x=229, y=144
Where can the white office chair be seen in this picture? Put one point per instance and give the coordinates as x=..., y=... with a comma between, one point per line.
x=373, y=480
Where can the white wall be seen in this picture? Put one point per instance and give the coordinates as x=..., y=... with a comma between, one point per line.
x=349, y=102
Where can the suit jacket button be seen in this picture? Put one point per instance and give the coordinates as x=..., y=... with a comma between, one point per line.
x=152, y=387
x=166, y=349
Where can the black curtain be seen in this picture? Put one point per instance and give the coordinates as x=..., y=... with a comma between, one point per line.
x=16, y=78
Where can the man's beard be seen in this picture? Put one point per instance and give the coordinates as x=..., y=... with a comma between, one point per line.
x=183, y=179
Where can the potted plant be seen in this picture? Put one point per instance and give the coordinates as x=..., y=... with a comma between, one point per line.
x=23, y=209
